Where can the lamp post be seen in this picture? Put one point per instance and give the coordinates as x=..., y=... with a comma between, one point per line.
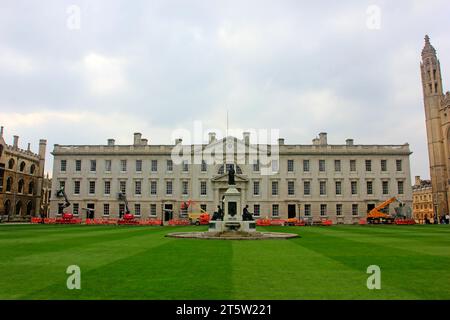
x=436, y=215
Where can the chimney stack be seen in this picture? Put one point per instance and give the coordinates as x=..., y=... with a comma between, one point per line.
x=137, y=138
x=323, y=138
x=29, y=147
x=212, y=137
x=111, y=142
x=1, y=131
x=144, y=142
x=246, y=136
x=178, y=141
x=16, y=142
x=349, y=142
x=281, y=141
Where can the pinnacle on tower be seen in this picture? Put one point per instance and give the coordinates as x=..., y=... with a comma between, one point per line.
x=428, y=49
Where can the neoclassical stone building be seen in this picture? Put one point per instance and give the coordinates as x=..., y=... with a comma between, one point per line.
x=437, y=116
x=21, y=180
x=338, y=182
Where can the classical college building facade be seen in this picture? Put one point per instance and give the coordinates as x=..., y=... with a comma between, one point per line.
x=21, y=180
x=437, y=117
x=337, y=182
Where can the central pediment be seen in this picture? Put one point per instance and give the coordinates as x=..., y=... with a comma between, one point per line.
x=231, y=143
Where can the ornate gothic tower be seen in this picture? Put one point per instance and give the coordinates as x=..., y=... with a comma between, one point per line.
x=433, y=97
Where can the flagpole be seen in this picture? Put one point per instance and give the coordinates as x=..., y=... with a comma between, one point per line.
x=227, y=125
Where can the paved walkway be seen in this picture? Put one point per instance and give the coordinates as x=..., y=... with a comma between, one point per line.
x=4, y=223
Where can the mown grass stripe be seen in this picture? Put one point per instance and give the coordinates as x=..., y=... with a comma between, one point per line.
x=140, y=263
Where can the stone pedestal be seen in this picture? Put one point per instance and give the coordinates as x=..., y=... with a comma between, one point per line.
x=232, y=220
x=238, y=226
x=232, y=204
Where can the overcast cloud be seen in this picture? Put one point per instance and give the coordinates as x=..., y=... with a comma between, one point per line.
x=157, y=66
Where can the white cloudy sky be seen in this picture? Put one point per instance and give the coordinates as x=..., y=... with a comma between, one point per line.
x=156, y=66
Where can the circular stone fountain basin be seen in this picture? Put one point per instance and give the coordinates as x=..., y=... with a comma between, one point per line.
x=233, y=235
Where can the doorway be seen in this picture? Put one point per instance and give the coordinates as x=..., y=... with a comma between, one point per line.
x=91, y=210
x=370, y=206
x=291, y=211
x=168, y=211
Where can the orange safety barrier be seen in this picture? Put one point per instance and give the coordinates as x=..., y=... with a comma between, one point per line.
x=263, y=222
x=150, y=222
x=36, y=220
x=300, y=223
x=405, y=221
x=277, y=222
x=67, y=221
x=362, y=221
x=105, y=221
x=179, y=222
x=327, y=222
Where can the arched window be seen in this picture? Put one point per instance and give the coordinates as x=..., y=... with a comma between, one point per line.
x=29, y=208
x=11, y=164
x=22, y=166
x=18, y=208
x=20, y=186
x=32, y=169
x=31, y=187
x=7, y=207
x=9, y=183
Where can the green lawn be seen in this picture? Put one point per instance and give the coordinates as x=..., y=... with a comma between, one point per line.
x=140, y=263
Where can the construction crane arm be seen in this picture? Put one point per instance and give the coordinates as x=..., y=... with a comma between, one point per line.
x=383, y=205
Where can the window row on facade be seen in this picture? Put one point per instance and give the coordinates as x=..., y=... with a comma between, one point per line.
x=122, y=187
x=338, y=165
x=323, y=187
x=123, y=166
x=423, y=206
x=20, y=186
x=22, y=166
x=422, y=197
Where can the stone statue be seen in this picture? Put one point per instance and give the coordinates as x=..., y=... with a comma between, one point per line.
x=220, y=212
x=231, y=173
x=246, y=216
x=215, y=216
x=218, y=215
